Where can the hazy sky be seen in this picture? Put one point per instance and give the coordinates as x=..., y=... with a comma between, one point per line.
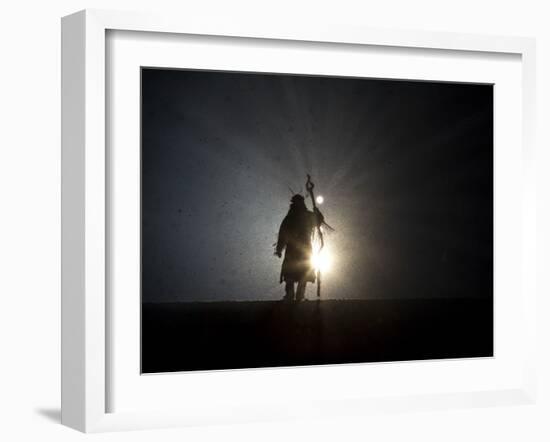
x=406, y=169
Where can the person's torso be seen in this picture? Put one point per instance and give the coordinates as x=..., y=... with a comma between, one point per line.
x=300, y=227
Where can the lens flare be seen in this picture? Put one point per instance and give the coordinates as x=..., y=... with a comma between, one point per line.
x=321, y=260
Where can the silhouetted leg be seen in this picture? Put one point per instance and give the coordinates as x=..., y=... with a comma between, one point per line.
x=301, y=291
x=289, y=290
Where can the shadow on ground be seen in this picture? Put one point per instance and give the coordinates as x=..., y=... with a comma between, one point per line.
x=51, y=414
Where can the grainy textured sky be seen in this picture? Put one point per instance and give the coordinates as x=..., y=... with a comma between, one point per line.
x=406, y=169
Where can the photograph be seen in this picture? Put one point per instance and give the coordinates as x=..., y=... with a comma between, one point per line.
x=295, y=220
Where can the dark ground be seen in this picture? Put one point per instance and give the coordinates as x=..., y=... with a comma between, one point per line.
x=224, y=335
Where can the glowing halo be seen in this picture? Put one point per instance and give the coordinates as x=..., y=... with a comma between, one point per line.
x=321, y=260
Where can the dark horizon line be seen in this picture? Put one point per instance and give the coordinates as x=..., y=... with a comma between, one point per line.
x=312, y=300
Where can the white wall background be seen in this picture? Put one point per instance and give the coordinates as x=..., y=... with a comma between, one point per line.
x=30, y=217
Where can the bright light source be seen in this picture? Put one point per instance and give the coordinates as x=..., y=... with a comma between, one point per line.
x=320, y=199
x=321, y=260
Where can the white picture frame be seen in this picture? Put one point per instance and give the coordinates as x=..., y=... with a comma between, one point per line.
x=86, y=203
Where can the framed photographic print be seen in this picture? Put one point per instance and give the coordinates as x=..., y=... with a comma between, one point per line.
x=406, y=172
x=252, y=212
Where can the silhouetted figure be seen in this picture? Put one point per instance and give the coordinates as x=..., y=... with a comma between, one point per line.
x=295, y=237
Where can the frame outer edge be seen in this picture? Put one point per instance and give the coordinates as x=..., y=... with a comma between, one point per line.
x=529, y=212
x=83, y=190
x=94, y=208
x=73, y=366
x=83, y=332
x=292, y=30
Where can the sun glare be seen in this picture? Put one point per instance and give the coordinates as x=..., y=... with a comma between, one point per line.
x=320, y=199
x=321, y=260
